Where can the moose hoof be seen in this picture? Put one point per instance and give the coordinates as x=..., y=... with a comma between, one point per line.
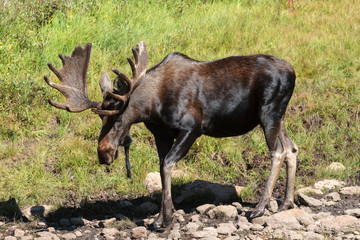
x=285, y=206
x=256, y=214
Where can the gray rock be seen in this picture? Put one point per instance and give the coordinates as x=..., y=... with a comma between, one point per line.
x=343, y=223
x=334, y=196
x=256, y=227
x=47, y=236
x=313, y=236
x=39, y=210
x=273, y=206
x=153, y=182
x=19, y=233
x=107, y=223
x=260, y=220
x=191, y=227
x=69, y=236
x=195, y=218
x=205, y=207
x=309, y=190
x=175, y=232
x=329, y=184
x=206, y=232
x=110, y=231
x=223, y=211
x=27, y=237
x=354, y=190
x=138, y=232
x=336, y=166
x=287, y=219
x=309, y=201
x=292, y=235
x=78, y=234
x=226, y=228
x=10, y=238
x=353, y=212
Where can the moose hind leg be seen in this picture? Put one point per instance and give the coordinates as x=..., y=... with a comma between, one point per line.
x=290, y=161
x=276, y=146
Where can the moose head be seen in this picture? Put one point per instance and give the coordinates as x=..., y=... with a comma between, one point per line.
x=73, y=85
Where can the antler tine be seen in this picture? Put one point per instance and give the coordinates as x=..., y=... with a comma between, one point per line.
x=73, y=80
x=141, y=60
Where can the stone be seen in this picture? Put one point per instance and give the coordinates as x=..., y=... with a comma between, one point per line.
x=309, y=191
x=149, y=207
x=27, y=237
x=69, y=236
x=313, y=236
x=153, y=236
x=10, y=238
x=47, y=236
x=175, y=233
x=237, y=205
x=354, y=190
x=309, y=201
x=329, y=184
x=153, y=182
x=256, y=227
x=334, y=196
x=19, y=233
x=195, y=218
x=292, y=235
x=273, y=206
x=223, y=211
x=353, y=212
x=259, y=220
x=78, y=234
x=322, y=215
x=205, y=207
x=226, y=228
x=110, y=231
x=342, y=223
x=288, y=219
x=336, y=167
x=191, y=227
x=39, y=210
x=107, y=223
x=138, y=232
x=78, y=221
x=206, y=232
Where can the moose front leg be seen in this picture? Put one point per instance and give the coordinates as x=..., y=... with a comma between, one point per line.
x=178, y=150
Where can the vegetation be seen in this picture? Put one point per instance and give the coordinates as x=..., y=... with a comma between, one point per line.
x=48, y=155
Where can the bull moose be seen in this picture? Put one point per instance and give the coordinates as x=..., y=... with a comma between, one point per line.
x=178, y=100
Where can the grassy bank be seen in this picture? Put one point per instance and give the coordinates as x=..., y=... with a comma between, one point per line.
x=48, y=155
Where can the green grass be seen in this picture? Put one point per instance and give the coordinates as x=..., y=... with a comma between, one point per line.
x=48, y=155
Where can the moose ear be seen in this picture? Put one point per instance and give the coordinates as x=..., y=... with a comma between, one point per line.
x=105, y=84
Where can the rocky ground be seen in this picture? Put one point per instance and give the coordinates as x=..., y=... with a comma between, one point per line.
x=327, y=210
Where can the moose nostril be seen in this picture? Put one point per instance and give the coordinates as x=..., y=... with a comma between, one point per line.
x=105, y=156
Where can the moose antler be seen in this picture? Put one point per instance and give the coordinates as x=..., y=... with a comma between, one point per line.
x=122, y=84
x=72, y=76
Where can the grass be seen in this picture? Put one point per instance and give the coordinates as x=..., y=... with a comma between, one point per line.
x=48, y=155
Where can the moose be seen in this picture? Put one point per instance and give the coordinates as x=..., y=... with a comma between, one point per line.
x=178, y=100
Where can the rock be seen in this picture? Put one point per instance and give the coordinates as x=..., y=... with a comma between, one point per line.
x=27, y=238
x=10, y=238
x=110, y=231
x=64, y=222
x=153, y=182
x=313, y=236
x=329, y=184
x=309, y=201
x=69, y=236
x=273, y=206
x=353, y=212
x=292, y=235
x=334, y=196
x=322, y=215
x=237, y=205
x=149, y=207
x=78, y=221
x=205, y=207
x=153, y=236
x=47, y=236
x=259, y=220
x=289, y=219
x=40, y=210
x=107, y=223
x=191, y=227
x=138, y=232
x=223, y=211
x=195, y=218
x=336, y=166
x=256, y=227
x=206, y=232
x=343, y=223
x=175, y=233
x=354, y=190
x=19, y=233
x=309, y=190
x=226, y=228
x=78, y=234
